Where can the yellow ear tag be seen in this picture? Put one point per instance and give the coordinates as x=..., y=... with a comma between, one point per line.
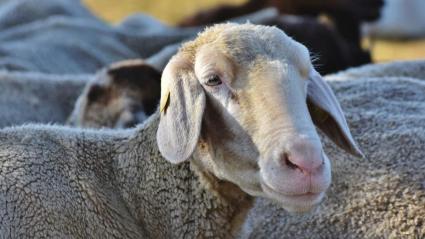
x=164, y=102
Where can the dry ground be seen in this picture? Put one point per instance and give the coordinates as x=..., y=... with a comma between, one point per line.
x=171, y=11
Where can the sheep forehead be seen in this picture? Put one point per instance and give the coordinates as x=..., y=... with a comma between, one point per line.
x=245, y=43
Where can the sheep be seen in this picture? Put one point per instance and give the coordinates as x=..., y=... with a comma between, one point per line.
x=272, y=227
x=119, y=96
x=330, y=51
x=268, y=221
x=262, y=211
x=383, y=195
x=399, y=20
x=235, y=121
x=347, y=15
x=37, y=97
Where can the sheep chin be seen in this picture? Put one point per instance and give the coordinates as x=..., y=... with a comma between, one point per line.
x=295, y=203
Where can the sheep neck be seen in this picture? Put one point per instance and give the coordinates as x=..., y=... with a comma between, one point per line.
x=175, y=201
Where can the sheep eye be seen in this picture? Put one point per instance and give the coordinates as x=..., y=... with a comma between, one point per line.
x=213, y=80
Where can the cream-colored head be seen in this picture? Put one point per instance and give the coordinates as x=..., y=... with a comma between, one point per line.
x=243, y=99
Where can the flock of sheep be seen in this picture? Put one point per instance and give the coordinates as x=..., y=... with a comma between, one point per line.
x=213, y=138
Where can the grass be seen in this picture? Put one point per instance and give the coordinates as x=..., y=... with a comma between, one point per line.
x=171, y=11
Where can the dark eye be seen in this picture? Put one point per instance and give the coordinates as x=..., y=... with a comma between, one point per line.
x=213, y=80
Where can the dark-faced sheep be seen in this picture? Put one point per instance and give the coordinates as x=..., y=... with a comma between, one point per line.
x=347, y=14
x=120, y=96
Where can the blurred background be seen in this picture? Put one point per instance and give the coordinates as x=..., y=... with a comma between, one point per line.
x=405, y=45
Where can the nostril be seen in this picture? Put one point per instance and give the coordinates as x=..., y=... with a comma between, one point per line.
x=303, y=154
x=288, y=162
x=301, y=163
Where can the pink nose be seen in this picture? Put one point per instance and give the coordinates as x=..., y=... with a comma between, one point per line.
x=304, y=155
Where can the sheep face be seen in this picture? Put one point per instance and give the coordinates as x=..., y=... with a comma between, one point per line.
x=121, y=96
x=243, y=98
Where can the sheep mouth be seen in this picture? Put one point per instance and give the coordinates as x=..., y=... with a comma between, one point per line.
x=297, y=202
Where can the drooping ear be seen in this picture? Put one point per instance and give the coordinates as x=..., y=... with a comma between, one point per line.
x=182, y=106
x=327, y=114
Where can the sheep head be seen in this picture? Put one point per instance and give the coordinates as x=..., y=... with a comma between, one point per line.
x=122, y=95
x=244, y=99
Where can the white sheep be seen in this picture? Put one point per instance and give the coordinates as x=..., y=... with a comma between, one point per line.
x=382, y=195
x=269, y=221
x=233, y=124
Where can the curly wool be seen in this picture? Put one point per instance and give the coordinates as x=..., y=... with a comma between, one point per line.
x=59, y=182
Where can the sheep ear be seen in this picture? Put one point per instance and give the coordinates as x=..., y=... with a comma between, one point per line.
x=182, y=106
x=327, y=114
x=135, y=74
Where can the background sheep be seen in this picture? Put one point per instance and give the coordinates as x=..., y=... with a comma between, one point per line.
x=37, y=97
x=47, y=98
x=347, y=15
x=61, y=182
x=330, y=51
x=120, y=96
x=413, y=69
x=382, y=195
x=400, y=19
x=62, y=37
